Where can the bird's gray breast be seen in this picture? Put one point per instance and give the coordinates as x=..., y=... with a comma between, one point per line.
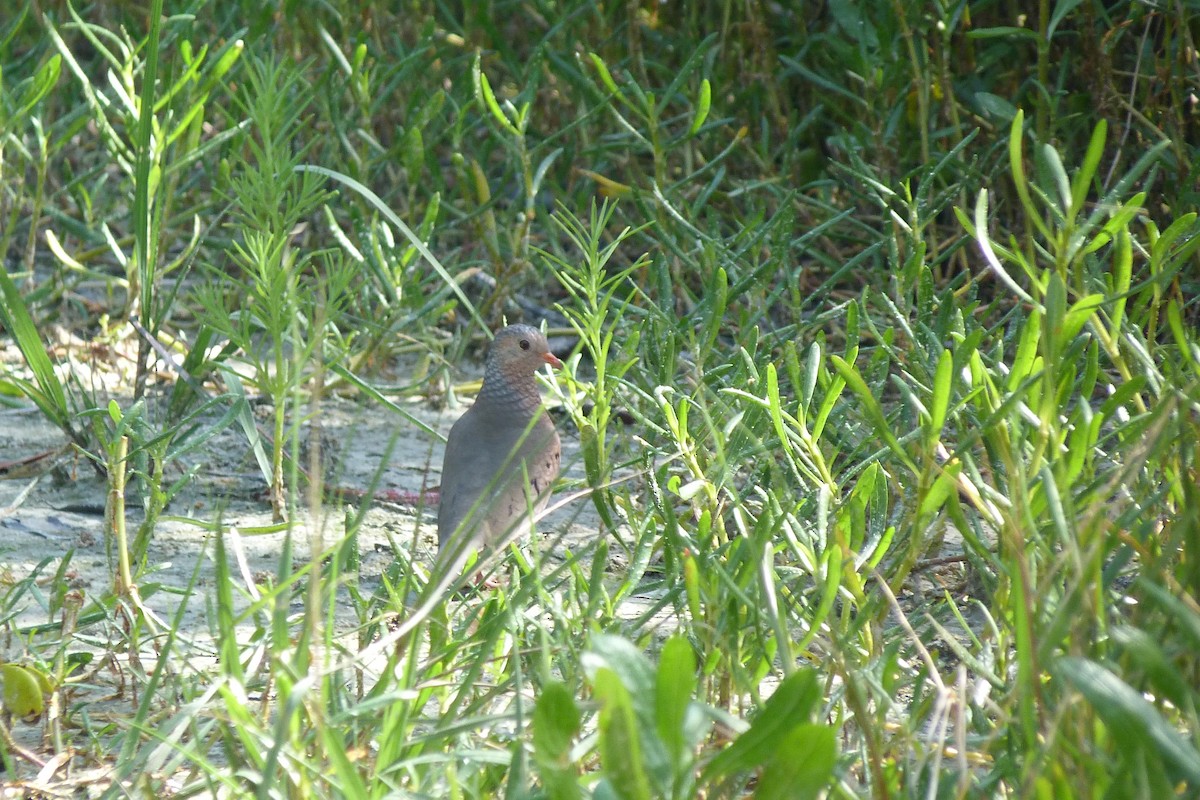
x=485, y=468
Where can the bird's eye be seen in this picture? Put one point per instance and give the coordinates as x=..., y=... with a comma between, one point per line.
x=524, y=344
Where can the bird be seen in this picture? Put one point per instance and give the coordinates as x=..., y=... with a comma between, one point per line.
x=502, y=455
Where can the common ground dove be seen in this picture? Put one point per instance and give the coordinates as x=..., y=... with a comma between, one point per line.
x=502, y=454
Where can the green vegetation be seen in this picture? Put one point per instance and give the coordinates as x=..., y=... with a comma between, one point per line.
x=888, y=389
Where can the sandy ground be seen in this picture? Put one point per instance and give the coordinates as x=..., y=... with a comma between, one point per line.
x=56, y=511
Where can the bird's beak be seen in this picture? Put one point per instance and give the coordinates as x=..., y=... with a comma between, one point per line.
x=552, y=360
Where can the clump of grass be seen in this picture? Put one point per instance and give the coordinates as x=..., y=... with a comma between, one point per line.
x=599, y=298
x=285, y=299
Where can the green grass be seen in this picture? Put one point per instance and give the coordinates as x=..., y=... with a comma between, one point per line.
x=899, y=302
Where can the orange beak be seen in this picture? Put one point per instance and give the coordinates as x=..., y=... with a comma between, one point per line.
x=552, y=360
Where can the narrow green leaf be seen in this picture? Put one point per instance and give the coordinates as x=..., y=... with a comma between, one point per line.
x=1054, y=504
x=412, y=150
x=147, y=170
x=226, y=57
x=606, y=77
x=940, y=402
x=1133, y=722
x=1083, y=178
x=1181, y=613
x=1119, y=220
x=12, y=26
x=349, y=781
x=1122, y=273
x=1122, y=395
x=1181, y=226
x=943, y=486
x=223, y=582
x=44, y=80
x=1078, y=315
x=1054, y=342
x=192, y=438
x=50, y=398
x=1062, y=10
x=620, y=745
x=989, y=253
x=793, y=704
x=852, y=333
x=484, y=94
x=1147, y=653
x=1053, y=162
x=832, y=396
x=516, y=782
x=881, y=548
x=543, y=166
x=1175, y=322
x=1003, y=31
x=245, y=418
x=1091, y=370
x=774, y=405
x=1027, y=351
x=676, y=685
x=630, y=663
x=812, y=367
x=703, y=102
x=993, y=105
x=684, y=71
x=1016, y=163
x=183, y=80
x=872, y=408
x=635, y=673
x=1080, y=443
x=556, y=723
